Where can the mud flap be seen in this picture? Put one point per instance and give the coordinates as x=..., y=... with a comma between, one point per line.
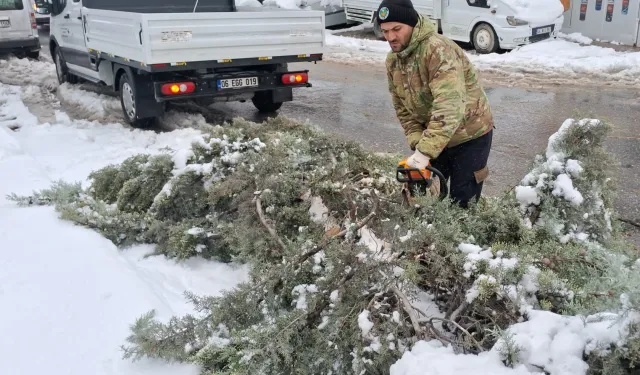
x=282, y=94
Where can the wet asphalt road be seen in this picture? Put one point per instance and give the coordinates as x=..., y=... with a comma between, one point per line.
x=354, y=103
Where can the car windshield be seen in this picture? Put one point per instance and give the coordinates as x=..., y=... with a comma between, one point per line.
x=11, y=5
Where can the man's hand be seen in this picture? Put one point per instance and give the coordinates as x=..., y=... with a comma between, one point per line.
x=418, y=160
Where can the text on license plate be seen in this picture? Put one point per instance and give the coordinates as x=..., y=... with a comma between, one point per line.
x=234, y=83
x=543, y=30
x=4, y=23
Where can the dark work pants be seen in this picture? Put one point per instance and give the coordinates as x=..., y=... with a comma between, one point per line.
x=465, y=166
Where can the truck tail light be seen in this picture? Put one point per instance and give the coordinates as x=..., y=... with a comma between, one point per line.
x=178, y=88
x=295, y=78
x=34, y=25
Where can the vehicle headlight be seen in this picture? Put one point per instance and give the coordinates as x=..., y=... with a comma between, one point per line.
x=511, y=20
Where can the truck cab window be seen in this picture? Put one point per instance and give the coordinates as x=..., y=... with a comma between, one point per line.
x=11, y=5
x=478, y=3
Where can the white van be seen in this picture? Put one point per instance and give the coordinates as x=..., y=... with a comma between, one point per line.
x=487, y=24
x=18, y=28
x=42, y=12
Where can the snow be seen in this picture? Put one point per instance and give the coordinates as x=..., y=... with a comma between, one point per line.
x=527, y=195
x=546, y=341
x=563, y=186
x=300, y=4
x=474, y=255
x=554, y=59
x=67, y=292
x=300, y=292
x=576, y=37
x=556, y=343
x=566, y=58
x=433, y=358
x=364, y=323
x=573, y=167
x=536, y=11
x=286, y=4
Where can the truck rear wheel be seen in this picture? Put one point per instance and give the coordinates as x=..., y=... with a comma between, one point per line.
x=263, y=101
x=129, y=103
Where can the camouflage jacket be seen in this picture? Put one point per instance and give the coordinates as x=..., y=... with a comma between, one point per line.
x=436, y=93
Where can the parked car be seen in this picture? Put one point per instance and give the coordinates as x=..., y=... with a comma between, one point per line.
x=155, y=51
x=18, y=29
x=487, y=24
x=42, y=12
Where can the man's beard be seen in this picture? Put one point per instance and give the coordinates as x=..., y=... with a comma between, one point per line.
x=398, y=48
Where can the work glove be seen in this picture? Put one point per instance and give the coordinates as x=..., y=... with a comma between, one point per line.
x=418, y=160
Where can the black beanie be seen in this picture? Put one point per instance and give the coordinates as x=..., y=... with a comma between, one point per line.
x=397, y=11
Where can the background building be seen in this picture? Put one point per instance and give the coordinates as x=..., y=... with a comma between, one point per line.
x=610, y=20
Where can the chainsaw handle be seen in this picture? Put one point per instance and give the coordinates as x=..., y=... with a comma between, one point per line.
x=444, y=189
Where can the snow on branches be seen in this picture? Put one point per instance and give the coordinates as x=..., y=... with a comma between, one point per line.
x=348, y=279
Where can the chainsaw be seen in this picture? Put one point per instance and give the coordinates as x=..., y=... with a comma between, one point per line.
x=418, y=181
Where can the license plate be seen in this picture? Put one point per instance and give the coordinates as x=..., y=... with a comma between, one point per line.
x=5, y=23
x=543, y=30
x=237, y=83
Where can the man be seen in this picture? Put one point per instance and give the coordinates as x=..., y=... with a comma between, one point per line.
x=443, y=110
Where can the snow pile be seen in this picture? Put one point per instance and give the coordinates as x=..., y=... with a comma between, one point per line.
x=434, y=358
x=576, y=38
x=14, y=71
x=91, y=291
x=546, y=341
x=365, y=45
x=564, y=58
x=557, y=59
x=536, y=11
x=300, y=4
x=558, y=343
x=285, y=4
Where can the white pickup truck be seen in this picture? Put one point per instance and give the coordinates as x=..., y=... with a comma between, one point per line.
x=155, y=51
x=487, y=24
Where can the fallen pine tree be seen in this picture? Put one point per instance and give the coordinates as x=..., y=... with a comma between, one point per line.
x=347, y=279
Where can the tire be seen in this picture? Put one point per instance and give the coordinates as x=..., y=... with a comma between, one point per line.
x=377, y=30
x=62, y=72
x=128, y=102
x=34, y=55
x=263, y=101
x=485, y=39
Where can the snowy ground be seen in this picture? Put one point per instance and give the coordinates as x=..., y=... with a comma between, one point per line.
x=66, y=292
x=570, y=59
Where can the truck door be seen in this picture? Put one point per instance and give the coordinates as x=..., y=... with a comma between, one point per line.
x=14, y=19
x=458, y=15
x=72, y=25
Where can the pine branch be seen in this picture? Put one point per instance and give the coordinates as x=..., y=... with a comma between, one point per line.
x=360, y=225
x=263, y=220
x=408, y=308
x=475, y=342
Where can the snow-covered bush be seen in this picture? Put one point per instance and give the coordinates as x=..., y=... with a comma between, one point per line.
x=348, y=279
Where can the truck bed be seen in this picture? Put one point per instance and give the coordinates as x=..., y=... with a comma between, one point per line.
x=177, y=38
